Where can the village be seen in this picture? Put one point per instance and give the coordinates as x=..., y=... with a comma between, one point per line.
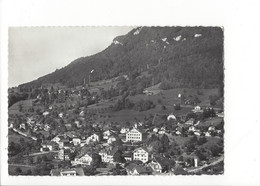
x=68, y=141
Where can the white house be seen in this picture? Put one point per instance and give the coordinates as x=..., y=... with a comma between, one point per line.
x=111, y=139
x=61, y=115
x=106, y=134
x=134, y=135
x=197, y=109
x=207, y=134
x=45, y=113
x=141, y=154
x=171, y=116
x=124, y=130
x=197, y=133
x=85, y=159
x=211, y=128
x=155, y=130
x=192, y=128
x=93, y=138
x=76, y=141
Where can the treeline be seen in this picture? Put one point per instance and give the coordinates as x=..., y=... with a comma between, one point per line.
x=15, y=97
x=193, y=62
x=141, y=105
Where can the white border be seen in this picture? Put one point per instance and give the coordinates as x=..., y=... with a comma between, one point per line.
x=240, y=22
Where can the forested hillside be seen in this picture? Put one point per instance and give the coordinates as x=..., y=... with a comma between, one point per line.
x=175, y=56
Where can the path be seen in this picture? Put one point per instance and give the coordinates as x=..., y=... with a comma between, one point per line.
x=207, y=165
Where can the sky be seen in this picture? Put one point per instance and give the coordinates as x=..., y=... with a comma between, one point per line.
x=37, y=51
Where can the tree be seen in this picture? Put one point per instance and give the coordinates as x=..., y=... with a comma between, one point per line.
x=118, y=157
x=165, y=142
x=96, y=160
x=18, y=170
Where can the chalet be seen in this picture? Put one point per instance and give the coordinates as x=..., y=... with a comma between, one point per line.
x=220, y=115
x=76, y=141
x=197, y=133
x=50, y=145
x=192, y=128
x=211, y=128
x=134, y=135
x=111, y=139
x=45, y=113
x=197, y=109
x=23, y=126
x=93, y=138
x=141, y=154
x=62, y=142
x=134, y=169
x=46, y=127
x=63, y=154
x=106, y=134
x=156, y=166
x=171, y=116
x=208, y=134
x=78, y=125
x=61, y=115
x=107, y=156
x=124, y=130
x=82, y=113
x=85, y=159
x=57, y=138
x=67, y=172
x=128, y=156
x=155, y=130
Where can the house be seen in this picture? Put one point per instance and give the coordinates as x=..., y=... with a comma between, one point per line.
x=78, y=125
x=61, y=115
x=46, y=127
x=67, y=172
x=128, y=156
x=111, y=139
x=50, y=145
x=62, y=141
x=124, y=130
x=192, y=128
x=106, y=134
x=82, y=113
x=197, y=133
x=76, y=141
x=141, y=154
x=211, y=128
x=45, y=113
x=155, y=130
x=171, y=116
x=22, y=126
x=197, y=109
x=93, y=138
x=220, y=115
x=134, y=135
x=190, y=121
x=85, y=159
x=57, y=138
x=156, y=166
x=208, y=134
x=107, y=156
x=134, y=169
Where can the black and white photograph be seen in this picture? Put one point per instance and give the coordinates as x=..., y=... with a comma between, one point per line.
x=158, y=92
x=147, y=102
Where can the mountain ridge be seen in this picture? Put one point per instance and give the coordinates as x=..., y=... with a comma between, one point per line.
x=191, y=56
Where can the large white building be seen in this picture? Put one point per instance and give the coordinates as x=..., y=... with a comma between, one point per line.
x=134, y=135
x=141, y=154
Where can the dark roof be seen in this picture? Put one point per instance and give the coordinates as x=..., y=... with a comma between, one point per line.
x=143, y=169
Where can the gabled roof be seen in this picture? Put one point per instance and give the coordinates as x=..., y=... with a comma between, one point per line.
x=143, y=169
x=144, y=148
